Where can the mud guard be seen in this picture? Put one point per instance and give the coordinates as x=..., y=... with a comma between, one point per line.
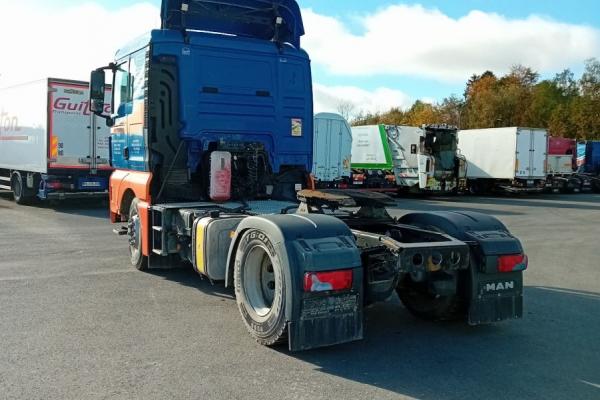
x=312, y=243
x=492, y=296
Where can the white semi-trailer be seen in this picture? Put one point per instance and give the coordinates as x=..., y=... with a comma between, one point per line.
x=332, y=151
x=505, y=159
x=50, y=144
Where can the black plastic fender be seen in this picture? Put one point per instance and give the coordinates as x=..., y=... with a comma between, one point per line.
x=312, y=243
x=492, y=296
x=491, y=235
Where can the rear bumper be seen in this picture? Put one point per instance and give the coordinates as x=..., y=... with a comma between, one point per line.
x=76, y=195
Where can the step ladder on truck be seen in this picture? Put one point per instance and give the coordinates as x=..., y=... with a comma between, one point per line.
x=213, y=168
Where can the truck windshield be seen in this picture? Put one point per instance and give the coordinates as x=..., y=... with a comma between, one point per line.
x=442, y=145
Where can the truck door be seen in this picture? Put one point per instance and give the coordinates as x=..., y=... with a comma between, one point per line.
x=322, y=148
x=524, y=164
x=539, y=151
x=121, y=110
x=136, y=140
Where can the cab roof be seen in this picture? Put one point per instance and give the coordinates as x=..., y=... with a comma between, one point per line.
x=252, y=18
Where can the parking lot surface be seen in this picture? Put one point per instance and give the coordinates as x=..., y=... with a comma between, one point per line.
x=78, y=322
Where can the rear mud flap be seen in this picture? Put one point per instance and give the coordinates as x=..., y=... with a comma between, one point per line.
x=328, y=319
x=495, y=297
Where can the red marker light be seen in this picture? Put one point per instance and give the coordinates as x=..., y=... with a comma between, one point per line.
x=328, y=281
x=512, y=263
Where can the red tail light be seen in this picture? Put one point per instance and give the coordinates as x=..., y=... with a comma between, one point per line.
x=54, y=185
x=512, y=263
x=327, y=281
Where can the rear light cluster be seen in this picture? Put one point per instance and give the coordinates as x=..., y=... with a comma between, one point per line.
x=328, y=281
x=512, y=263
x=359, y=178
x=54, y=185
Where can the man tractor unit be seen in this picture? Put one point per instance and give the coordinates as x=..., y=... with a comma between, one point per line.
x=408, y=159
x=212, y=145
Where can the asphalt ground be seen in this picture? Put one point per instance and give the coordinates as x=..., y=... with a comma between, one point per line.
x=77, y=322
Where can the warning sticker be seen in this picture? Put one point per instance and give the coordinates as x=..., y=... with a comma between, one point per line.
x=297, y=127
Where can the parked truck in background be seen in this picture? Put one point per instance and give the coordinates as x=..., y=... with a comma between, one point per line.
x=562, y=171
x=505, y=159
x=212, y=141
x=407, y=159
x=50, y=145
x=588, y=161
x=332, y=151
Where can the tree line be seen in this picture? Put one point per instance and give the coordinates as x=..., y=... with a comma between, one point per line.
x=566, y=106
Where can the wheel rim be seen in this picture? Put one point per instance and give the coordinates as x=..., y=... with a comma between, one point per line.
x=17, y=190
x=259, y=282
x=133, y=230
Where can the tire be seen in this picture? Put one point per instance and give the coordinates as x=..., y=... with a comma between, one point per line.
x=420, y=302
x=134, y=229
x=260, y=288
x=20, y=192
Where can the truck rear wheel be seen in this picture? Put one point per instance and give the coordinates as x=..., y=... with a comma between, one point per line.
x=260, y=288
x=20, y=192
x=134, y=233
x=422, y=303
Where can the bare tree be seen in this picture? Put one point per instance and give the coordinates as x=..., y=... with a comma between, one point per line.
x=346, y=109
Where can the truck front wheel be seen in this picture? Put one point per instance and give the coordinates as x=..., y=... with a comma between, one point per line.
x=260, y=288
x=421, y=302
x=134, y=231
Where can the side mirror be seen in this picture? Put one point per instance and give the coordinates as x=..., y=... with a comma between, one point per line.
x=97, y=91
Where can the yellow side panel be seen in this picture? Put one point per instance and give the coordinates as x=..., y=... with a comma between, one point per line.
x=200, y=246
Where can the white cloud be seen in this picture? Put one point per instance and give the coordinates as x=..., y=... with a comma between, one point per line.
x=412, y=40
x=329, y=98
x=42, y=41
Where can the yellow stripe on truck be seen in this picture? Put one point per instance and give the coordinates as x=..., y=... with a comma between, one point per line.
x=200, y=245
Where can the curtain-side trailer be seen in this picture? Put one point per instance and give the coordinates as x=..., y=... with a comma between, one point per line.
x=50, y=144
x=504, y=159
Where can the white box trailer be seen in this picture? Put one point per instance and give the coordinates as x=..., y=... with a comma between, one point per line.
x=332, y=150
x=511, y=159
x=51, y=146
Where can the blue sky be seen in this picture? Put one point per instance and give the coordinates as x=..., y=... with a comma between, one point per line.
x=586, y=12
x=408, y=56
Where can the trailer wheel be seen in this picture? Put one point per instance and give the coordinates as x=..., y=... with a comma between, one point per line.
x=134, y=229
x=260, y=289
x=20, y=192
x=420, y=302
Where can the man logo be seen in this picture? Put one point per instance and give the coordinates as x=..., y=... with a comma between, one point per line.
x=498, y=286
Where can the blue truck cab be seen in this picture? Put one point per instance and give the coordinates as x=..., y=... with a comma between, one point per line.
x=225, y=76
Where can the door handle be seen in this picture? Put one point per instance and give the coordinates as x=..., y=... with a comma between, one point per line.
x=126, y=153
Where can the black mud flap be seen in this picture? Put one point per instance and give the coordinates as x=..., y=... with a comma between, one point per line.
x=328, y=319
x=495, y=297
